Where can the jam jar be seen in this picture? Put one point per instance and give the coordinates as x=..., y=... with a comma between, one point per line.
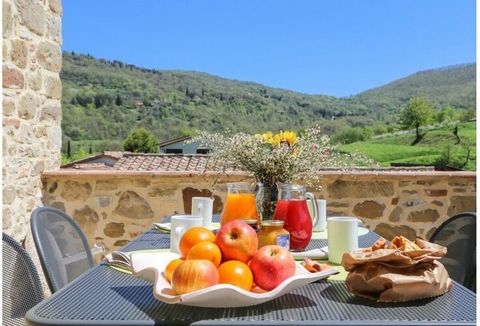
x=253, y=223
x=273, y=233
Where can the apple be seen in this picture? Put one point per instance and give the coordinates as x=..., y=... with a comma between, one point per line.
x=237, y=241
x=192, y=275
x=271, y=265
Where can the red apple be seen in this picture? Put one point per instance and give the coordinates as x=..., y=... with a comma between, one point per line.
x=192, y=275
x=271, y=265
x=237, y=241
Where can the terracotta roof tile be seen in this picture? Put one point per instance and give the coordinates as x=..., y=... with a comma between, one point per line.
x=170, y=162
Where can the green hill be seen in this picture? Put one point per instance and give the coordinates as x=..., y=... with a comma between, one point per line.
x=450, y=86
x=103, y=100
x=437, y=146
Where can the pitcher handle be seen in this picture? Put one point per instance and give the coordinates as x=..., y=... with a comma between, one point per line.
x=315, y=208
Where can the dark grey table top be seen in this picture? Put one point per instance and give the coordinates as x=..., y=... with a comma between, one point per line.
x=103, y=296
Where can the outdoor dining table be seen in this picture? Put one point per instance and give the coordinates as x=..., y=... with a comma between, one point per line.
x=105, y=296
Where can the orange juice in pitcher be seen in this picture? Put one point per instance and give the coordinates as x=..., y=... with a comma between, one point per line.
x=240, y=203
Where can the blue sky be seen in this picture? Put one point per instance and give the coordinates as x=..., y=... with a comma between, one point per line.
x=331, y=47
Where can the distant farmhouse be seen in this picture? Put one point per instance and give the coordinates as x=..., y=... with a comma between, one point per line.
x=181, y=146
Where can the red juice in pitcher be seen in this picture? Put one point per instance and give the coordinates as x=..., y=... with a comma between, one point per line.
x=295, y=214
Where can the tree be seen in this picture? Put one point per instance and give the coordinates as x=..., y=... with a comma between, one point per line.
x=118, y=101
x=417, y=113
x=140, y=140
x=69, y=150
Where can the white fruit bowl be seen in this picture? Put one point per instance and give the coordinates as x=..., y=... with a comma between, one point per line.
x=150, y=266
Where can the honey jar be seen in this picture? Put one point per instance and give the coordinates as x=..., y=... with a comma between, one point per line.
x=273, y=233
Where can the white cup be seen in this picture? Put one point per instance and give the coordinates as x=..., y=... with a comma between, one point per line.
x=342, y=237
x=203, y=206
x=178, y=226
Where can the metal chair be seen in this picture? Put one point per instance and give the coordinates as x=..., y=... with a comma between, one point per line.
x=21, y=287
x=458, y=234
x=61, y=245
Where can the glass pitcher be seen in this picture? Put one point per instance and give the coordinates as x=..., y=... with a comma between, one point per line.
x=240, y=203
x=293, y=210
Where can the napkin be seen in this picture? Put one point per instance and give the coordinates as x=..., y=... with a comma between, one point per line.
x=317, y=253
x=166, y=227
x=118, y=259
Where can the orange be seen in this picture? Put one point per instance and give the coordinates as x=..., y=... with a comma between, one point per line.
x=192, y=237
x=236, y=273
x=171, y=267
x=206, y=250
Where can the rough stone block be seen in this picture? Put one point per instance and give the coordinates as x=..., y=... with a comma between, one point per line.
x=7, y=19
x=436, y=192
x=395, y=214
x=56, y=6
x=106, y=185
x=389, y=231
x=28, y=105
x=12, y=78
x=132, y=205
x=163, y=191
x=104, y=201
x=51, y=112
x=9, y=194
x=413, y=202
x=360, y=189
x=54, y=28
x=460, y=204
x=32, y=15
x=337, y=204
x=369, y=209
x=59, y=205
x=142, y=183
x=35, y=80
x=14, y=122
x=426, y=215
x=49, y=56
x=74, y=190
x=114, y=229
x=53, y=87
x=409, y=192
x=87, y=218
x=8, y=107
x=121, y=243
x=19, y=53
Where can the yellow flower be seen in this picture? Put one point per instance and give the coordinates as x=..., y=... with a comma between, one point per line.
x=290, y=137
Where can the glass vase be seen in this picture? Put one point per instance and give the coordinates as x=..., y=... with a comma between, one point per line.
x=266, y=201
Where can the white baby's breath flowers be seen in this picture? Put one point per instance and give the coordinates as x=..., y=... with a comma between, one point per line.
x=280, y=157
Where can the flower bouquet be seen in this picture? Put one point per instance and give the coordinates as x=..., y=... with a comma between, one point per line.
x=276, y=157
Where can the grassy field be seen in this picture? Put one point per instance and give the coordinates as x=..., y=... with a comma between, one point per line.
x=430, y=150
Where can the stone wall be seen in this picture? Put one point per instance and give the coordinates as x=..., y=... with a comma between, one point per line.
x=32, y=89
x=114, y=207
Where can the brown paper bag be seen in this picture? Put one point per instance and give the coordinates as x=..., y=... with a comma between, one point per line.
x=396, y=275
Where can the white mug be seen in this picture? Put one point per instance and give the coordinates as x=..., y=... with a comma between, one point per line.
x=321, y=222
x=342, y=237
x=203, y=206
x=178, y=226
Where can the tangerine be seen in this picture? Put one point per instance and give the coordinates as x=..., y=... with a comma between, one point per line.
x=206, y=250
x=171, y=267
x=236, y=273
x=192, y=237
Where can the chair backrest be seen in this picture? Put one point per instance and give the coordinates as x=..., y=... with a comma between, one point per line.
x=458, y=234
x=21, y=287
x=62, y=247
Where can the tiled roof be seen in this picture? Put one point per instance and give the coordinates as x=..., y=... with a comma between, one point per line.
x=169, y=162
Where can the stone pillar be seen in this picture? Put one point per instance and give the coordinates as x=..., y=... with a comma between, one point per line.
x=32, y=90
